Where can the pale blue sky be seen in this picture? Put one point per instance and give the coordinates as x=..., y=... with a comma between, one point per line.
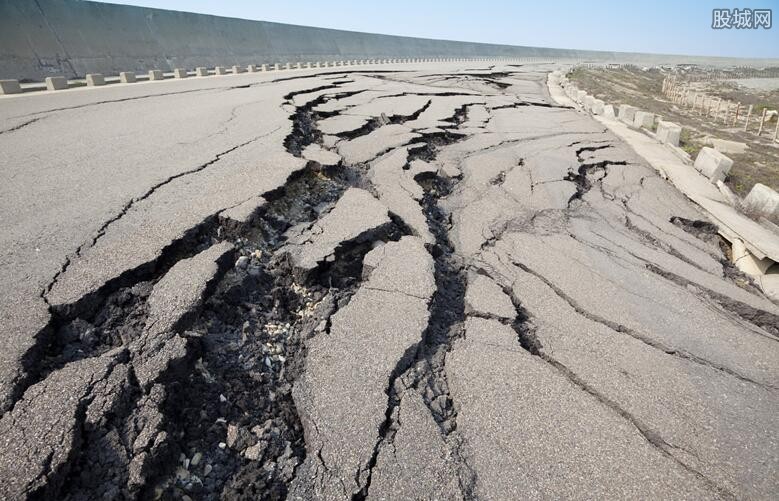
x=658, y=26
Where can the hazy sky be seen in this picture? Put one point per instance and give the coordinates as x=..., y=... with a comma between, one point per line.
x=659, y=26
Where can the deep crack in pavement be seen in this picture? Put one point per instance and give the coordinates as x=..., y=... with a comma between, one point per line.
x=372, y=285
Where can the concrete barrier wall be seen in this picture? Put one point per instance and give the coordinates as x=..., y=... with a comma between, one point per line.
x=40, y=38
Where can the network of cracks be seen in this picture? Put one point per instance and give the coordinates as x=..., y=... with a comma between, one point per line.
x=206, y=409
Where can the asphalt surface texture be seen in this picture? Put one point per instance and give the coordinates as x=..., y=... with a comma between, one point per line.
x=422, y=281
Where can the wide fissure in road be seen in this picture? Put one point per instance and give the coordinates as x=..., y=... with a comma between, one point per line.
x=365, y=285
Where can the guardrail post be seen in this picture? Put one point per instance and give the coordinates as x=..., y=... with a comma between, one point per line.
x=10, y=87
x=56, y=83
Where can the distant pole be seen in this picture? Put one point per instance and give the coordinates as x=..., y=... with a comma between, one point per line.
x=719, y=100
x=735, y=118
x=762, y=119
x=776, y=130
x=749, y=114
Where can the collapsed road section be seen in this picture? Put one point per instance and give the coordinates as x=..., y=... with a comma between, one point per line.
x=370, y=285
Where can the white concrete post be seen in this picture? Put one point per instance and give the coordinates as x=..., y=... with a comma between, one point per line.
x=56, y=83
x=237, y=69
x=10, y=87
x=201, y=71
x=668, y=132
x=95, y=79
x=713, y=164
x=180, y=73
x=643, y=119
x=156, y=75
x=762, y=199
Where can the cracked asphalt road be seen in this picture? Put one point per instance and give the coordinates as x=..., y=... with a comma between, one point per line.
x=425, y=282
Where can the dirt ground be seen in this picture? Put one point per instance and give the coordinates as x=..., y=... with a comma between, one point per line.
x=758, y=163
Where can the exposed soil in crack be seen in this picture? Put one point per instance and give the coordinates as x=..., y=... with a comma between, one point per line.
x=304, y=129
x=521, y=104
x=235, y=410
x=84, y=302
x=224, y=421
x=236, y=407
x=423, y=367
x=703, y=230
x=110, y=317
x=338, y=72
x=486, y=74
x=227, y=425
x=374, y=123
x=589, y=172
x=228, y=422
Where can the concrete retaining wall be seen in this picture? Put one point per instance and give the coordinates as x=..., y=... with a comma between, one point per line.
x=71, y=38
x=40, y=38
